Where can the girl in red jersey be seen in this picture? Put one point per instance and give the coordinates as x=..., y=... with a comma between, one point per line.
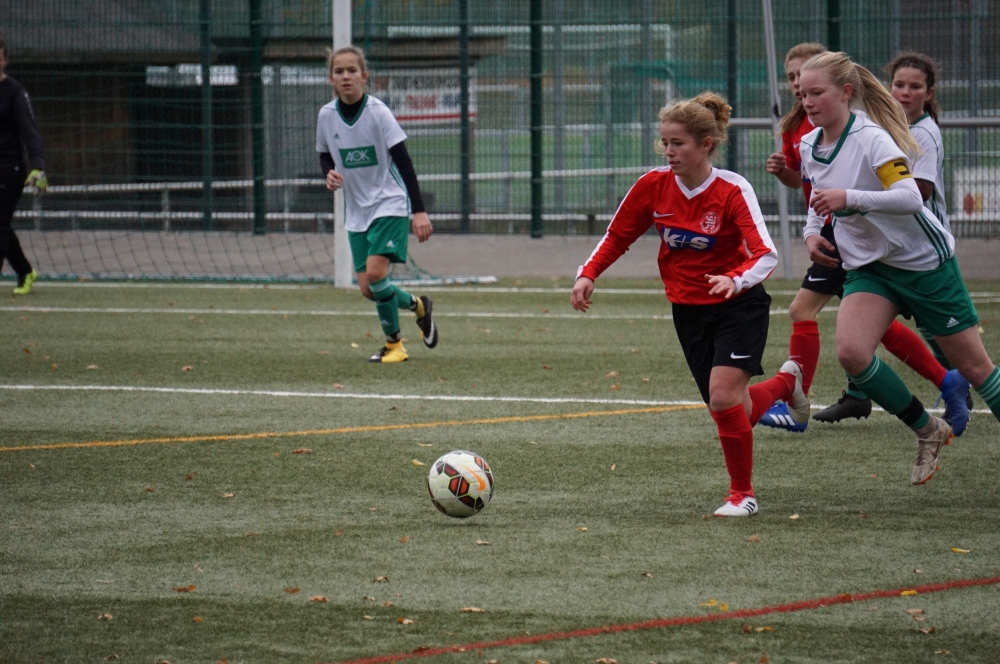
x=822, y=283
x=714, y=254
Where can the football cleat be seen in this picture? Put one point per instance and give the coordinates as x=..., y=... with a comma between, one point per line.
x=968, y=404
x=928, y=448
x=847, y=406
x=779, y=417
x=390, y=353
x=428, y=330
x=25, y=287
x=738, y=504
x=955, y=393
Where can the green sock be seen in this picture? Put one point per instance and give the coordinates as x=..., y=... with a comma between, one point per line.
x=990, y=392
x=403, y=299
x=888, y=390
x=935, y=349
x=853, y=390
x=385, y=304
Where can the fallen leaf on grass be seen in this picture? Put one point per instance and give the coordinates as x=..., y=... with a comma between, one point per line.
x=957, y=550
x=753, y=538
x=616, y=386
x=405, y=621
x=747, y=629
x=150, y=489
x=187, y=367
x=354, y=345
x=338, y=386
x=710, y=602
x=645, y=380
x=302, y=450
x=540, y=661
x=380, y=579
x=105, y=616
x=765, y=628
x=545, y=366
x=186, y=589
x=614, y=466
x=794, y=517
x=91, y=367
x=764, y=660
x=368, y=598
x=582, y=529
x=418, y=463
x=293, y=591
x=918, y=571
x=482, y=542
x=318, y=598
x=426, y=444
x=647, y=575
x=493, y=661
x=228, y=495
x=611, y=374
x=907, y=593
x=472, y=609
x=197, y=619
x=368, y=617
x=388, y=604
x=915, y=612
x=605, y=660
x=927, y=630
x=941, y=652
x=723, y=606
x=111, y=657
x=54, y=367
x=224, y=660
x=338, y=533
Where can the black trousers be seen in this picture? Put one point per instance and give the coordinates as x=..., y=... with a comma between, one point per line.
x=11, y=186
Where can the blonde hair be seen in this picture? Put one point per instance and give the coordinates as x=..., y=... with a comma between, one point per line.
x=922, y=63
x=705, y=116
x=353, y=50
x=869, y=92
x=794, y=117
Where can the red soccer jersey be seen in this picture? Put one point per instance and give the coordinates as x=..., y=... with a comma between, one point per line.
x=715, y=229
x=790, y=148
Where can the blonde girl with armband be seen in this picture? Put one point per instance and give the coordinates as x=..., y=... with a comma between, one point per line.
x=714, y=253
x=899, y=257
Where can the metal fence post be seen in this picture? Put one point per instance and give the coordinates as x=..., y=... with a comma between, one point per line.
x=205, y=19
x=536, y=119
x=343, y=268
x=465, y=144
x=257, y=117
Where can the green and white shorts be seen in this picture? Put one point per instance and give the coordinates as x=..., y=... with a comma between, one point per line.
x=387, y=236
x=936, y=299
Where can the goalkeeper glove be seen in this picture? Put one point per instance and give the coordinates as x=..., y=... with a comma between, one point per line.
x=37, y=177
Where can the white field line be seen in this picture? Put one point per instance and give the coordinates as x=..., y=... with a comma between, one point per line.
x=293, y=312
x=381, y=397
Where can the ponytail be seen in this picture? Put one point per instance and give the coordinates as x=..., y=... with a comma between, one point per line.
x=793, y=118
x=923, y=63
x=869, y=92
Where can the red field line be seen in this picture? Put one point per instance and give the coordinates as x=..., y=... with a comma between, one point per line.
x=844, y=598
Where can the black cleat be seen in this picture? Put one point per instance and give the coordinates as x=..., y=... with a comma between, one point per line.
x=428, y=330
x=848, y=406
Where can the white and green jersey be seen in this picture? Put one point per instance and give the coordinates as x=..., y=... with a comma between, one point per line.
x=866, y=158
x=373, y=187
x=929, y=165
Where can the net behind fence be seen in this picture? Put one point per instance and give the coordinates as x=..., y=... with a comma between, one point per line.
x=158, y=118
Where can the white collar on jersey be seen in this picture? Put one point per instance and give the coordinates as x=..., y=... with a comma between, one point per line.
x=691, y=193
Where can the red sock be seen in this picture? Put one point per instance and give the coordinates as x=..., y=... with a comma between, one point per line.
x=765, y=393
x=803, y=347
x=736, y=437
x=904, y=343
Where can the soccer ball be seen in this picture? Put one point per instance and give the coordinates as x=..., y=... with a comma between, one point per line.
x=460, y=483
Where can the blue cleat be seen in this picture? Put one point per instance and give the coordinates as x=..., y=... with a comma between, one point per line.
x=955, y=393
x=779, y=417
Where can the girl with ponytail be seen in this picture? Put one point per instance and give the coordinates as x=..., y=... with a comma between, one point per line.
x=899, y=257
x=714, y=253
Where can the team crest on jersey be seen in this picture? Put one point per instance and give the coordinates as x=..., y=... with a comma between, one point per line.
x=710, y=223
x=678, y=238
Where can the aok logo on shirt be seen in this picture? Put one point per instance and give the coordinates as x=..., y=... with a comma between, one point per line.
x=677, y=238
x=359, y=157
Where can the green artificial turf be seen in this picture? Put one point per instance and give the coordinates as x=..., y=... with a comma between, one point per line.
x=96, y=530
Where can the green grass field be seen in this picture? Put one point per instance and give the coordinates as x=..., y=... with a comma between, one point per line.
x=111, y=499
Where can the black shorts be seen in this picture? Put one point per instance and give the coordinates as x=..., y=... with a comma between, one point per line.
x=823, y=279
x=728, y=334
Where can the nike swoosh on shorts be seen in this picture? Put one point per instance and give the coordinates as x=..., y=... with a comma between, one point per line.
x=811, y=278
x=738, y=357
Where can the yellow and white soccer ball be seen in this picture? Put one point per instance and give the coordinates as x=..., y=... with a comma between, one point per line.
x=460, y=483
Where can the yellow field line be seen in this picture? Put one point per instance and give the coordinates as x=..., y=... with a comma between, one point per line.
x=325, y=432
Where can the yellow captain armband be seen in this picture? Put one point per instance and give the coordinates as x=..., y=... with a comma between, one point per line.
x=892, y=172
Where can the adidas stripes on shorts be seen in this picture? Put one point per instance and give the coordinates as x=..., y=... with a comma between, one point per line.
x=936, y=299
x=387, y=236
x=729, y=334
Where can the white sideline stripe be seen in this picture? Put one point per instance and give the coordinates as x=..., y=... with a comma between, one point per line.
x=341, y=395
x=383, y=397
x=292, y=312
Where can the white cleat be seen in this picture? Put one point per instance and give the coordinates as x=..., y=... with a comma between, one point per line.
x=738, y=505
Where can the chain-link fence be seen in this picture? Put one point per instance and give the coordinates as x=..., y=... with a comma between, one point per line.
x=138, y=137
